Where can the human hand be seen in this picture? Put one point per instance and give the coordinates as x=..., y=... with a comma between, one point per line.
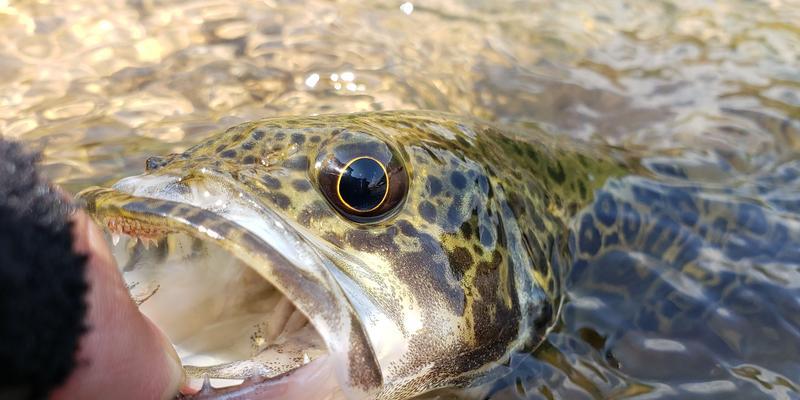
x=123, y=355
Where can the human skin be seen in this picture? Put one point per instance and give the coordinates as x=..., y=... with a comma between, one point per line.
x=123, y=355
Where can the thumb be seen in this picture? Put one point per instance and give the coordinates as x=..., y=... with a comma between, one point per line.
x=122, y=355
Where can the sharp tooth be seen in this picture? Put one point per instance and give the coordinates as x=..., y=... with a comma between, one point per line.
x=306, y=360
x=207, y=388
x=115, y=239
x=146, y=243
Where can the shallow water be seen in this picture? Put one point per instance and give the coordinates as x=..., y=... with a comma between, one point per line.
x=708, y=91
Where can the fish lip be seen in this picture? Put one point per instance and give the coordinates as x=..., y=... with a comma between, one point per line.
x=311, y=286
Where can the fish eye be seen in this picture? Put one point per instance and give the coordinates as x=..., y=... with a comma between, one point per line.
x=364, y=181
x=363, y=184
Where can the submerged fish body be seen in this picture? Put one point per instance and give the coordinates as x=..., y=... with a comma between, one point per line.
x=423, y=248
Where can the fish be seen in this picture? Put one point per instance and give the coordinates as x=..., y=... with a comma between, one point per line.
x=378, y=255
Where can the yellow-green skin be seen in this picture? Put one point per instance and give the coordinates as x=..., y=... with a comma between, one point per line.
x=472, y=258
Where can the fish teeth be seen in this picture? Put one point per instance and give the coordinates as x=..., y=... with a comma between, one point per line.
x=207, y=388
x=115, y=239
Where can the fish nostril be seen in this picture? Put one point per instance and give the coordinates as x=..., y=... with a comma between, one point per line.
x=154, y=163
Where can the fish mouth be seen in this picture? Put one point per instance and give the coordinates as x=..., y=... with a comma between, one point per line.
x=252, y=309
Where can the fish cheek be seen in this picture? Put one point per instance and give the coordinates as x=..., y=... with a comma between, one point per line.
x=426, y=269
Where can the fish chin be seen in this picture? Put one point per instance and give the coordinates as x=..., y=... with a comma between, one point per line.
x=238, y=332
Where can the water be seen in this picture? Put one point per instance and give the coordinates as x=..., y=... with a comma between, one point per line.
x=709, y=88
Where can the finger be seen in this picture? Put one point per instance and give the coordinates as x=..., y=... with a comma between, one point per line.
x=122, y=355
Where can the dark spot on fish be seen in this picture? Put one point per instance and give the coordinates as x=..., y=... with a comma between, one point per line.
x=392, y=231
x=531, y=154
x=271, y=182
x=483, y=183
x=280, y=199
x=314, y=139
x=236, y=138
x=486, y=237
x=368, y=241
x=249, y=160
x=221, y=147
x=197, y=218
x=631, y=222
x=316, y=211
x=434, y=185
x=467, y=230
x=298, y=138
x=406, y=228
x=228, y=154
x=164, y=208
x=458, y=180
x=280, y=136
x=257, y=134
x=582, y=189
x=427, y=211
x=460, y=262
x=297, y=163
x=589, y=236
x=248, y=145
x=154, y=163
x=605, y=208
x=557, y=173
x=454, y=217
x=301, y=185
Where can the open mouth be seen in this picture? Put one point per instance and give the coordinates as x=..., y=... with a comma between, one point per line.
x=249, y=319
x=226, y=321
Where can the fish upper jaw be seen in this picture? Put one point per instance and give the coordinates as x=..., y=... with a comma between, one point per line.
x=214, y=209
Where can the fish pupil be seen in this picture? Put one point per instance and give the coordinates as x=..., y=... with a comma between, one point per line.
x=363, y=184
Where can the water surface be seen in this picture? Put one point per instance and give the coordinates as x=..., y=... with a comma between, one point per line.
x=708, y=92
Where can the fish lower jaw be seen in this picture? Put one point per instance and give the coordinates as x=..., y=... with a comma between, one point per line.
x=315, y=380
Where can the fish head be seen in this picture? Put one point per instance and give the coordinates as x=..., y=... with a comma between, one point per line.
x=390, y=233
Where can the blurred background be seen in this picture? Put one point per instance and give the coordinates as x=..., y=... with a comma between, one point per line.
x=99, y=86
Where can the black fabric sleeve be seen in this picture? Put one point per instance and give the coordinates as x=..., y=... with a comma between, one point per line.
x=42, y=283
